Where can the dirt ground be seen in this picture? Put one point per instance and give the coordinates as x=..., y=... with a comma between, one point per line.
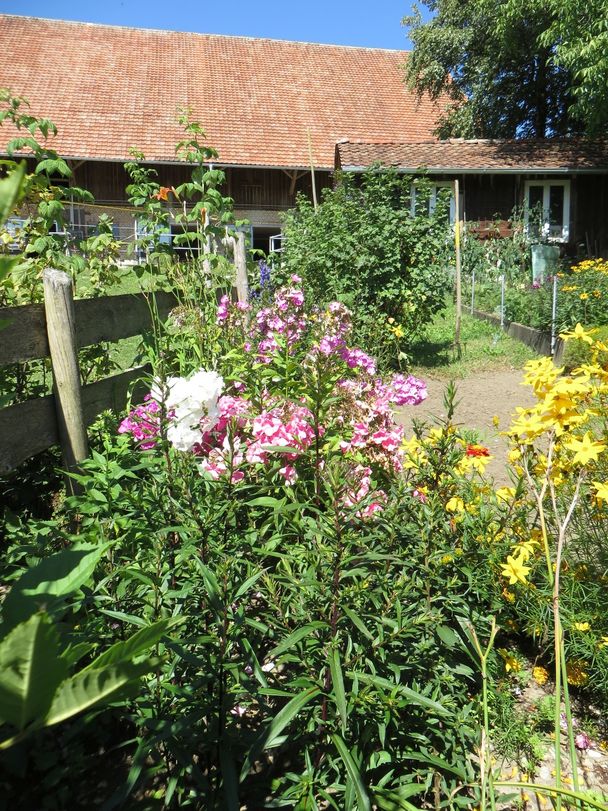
x=479, y=399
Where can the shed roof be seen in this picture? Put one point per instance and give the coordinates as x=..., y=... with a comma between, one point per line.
x=553, y=156
x=109, y=88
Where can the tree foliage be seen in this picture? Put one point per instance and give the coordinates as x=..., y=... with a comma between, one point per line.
x=496, y=65
x=579, y=36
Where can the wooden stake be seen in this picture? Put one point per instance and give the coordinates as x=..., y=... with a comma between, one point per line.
x=312, y=170
x=61, y=331
x=458, y=280
x=240, y=262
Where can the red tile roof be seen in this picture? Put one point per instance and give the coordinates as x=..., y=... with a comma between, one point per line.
x=560, y=155
x=109, y=88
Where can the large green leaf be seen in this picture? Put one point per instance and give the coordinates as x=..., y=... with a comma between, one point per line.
x=353, y=773
x=89, y=688
x=400, y=689
x=10, y=189
x=137, y=644
x=31, y=670
x=50, y=580
x=270, y=733
x=337, y=679
x=295, y=637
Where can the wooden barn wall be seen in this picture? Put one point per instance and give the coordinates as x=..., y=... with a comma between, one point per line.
x=250, y=188
x=490, y=197
x=589, y=214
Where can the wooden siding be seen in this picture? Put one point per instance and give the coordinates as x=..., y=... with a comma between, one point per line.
x=250, y=188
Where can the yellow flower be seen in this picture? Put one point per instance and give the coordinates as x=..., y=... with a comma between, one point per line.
x=455, y=505
x=446, y=559
x=584, y=296
x=604, y=642
x=601, y=490
x=585, y=450
x=512, y=664
x=515, y=570
x=578, y=333
x=576, y=673
x=505, y=494
x=582, y=626
x=508, y=595
x=540, y=674
x=495, y=420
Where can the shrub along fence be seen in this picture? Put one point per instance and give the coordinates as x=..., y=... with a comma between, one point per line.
x=57, y=329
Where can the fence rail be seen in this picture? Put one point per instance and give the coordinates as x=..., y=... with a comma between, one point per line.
x=28, y=333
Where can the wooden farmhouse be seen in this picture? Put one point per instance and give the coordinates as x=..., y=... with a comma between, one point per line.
x=275, y=111
x=560, y=186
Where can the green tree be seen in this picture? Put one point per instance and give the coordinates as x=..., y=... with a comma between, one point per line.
x=495, y=68
x=579, y=35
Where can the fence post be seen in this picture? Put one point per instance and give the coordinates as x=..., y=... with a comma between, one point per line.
x=240, y=261
x=472, y=291
x=502, y=300
x=554, y=316
x=61, y=331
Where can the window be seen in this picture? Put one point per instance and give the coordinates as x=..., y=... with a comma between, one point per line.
x=436, y=190
x=547, y=209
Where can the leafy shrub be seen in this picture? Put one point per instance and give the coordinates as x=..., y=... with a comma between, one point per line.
x=363, y=247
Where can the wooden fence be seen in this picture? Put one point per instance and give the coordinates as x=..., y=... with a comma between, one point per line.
x=57, y=329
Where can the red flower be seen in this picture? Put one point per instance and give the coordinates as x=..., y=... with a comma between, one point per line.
x=477, y=450
x=163, y=193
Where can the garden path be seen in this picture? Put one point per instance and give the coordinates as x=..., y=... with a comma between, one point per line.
x=480, y=398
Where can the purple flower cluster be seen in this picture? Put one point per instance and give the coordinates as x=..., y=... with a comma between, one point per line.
x=143, y=423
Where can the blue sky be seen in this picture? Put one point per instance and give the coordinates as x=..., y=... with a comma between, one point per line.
x=341, y=22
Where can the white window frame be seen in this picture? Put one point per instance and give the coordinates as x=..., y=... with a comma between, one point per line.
x=564, y=236
x=436, y=188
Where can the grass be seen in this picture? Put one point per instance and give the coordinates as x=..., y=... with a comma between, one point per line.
x=483, y=348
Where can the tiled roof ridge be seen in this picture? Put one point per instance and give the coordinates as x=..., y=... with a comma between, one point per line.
x=165, y=32
x=561, y=139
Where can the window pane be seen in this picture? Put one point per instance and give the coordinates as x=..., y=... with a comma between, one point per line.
x=535, y=196
x=556, y=206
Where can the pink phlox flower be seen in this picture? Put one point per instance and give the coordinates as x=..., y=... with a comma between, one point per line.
x=295, y=279
x=255, y=454
x=407, y=390
x=357, y=359
x=389, y=440
x=375, y=507
x=289, y=474
x=243, y=306
x=420, y=495
x=222, y=310
x=143, y=423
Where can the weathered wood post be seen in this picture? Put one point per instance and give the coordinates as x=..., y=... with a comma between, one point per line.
x=61, y=331
x=240, y=262
x=458, y=280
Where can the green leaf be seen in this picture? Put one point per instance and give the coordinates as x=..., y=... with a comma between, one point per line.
x=353, y=773
x=90, y=688
x=137, y=644
x=212, y=586
x=49, y=580
x=31, y=670
x=338, y=684
x=358, y=623
x=295, y=637
x=10, y=189
x=268, y=735
x=407, y=692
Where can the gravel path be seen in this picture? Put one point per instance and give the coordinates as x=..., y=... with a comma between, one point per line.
x=479, y=399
